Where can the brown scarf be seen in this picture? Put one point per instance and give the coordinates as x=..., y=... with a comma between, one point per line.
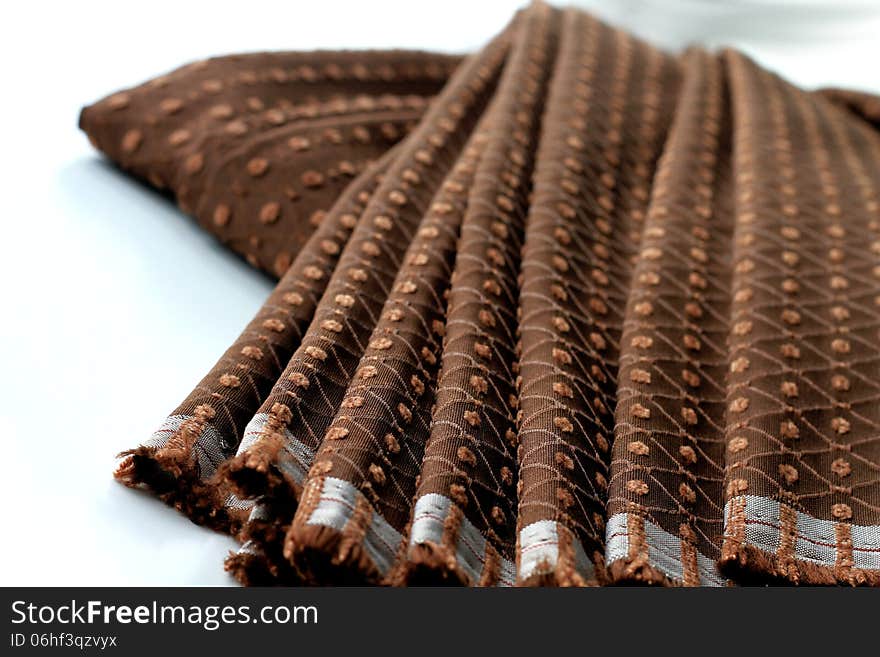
x=601, y=315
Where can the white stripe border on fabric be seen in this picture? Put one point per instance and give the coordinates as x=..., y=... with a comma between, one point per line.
x=539, y=551
x=429, y=517
x=208, y=446
x=816, y=538
x=335, y=508
x=300, y=455
x=664, y=551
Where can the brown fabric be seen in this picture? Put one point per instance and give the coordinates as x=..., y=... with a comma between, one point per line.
x=604, y=128
x=470, y=456
x=803, y=391
x=668, y=455
x=294, y=419
x=860, y=103
x=259, y=146
x=605, y=315
x=180, y=460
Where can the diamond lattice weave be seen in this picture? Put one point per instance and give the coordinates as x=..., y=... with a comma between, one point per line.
x=568, y=311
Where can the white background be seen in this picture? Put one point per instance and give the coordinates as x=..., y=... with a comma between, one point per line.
x=114, y=305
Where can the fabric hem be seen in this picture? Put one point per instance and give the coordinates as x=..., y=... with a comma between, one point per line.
x=753, y=565
x=175, y=481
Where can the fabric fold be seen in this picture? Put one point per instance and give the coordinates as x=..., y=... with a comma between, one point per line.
x=463, y=514
x=801, y=484
x=280, y=442
x=259, y=146
x=179, y=462
x=605, y=124
x=667, y=468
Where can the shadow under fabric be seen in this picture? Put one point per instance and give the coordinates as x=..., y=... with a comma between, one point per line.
x=567, y=311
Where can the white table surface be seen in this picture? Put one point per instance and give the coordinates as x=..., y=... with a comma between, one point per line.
x=115, y=305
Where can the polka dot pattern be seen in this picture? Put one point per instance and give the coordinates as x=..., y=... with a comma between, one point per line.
x=310, y=391
x=258, y=146
x=603, y=131
x=801, y=383
x=472, y=443
x=668, y=456
x=595, y=314
x=242, y=378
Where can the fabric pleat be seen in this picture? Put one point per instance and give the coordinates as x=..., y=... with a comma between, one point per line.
x=464, y=512
x=275, y=457
x=664, y=517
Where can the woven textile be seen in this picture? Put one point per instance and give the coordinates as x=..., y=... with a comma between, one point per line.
x=259, y=146
x=569, y=311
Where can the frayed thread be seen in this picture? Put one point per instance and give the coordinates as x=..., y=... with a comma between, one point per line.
x=751, y=565
x=430, y=564
x=179, y=485
x=637, y=571
x=326, y=556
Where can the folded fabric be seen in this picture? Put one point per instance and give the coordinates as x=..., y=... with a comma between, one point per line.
x=259, y=146
x=604, y=315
